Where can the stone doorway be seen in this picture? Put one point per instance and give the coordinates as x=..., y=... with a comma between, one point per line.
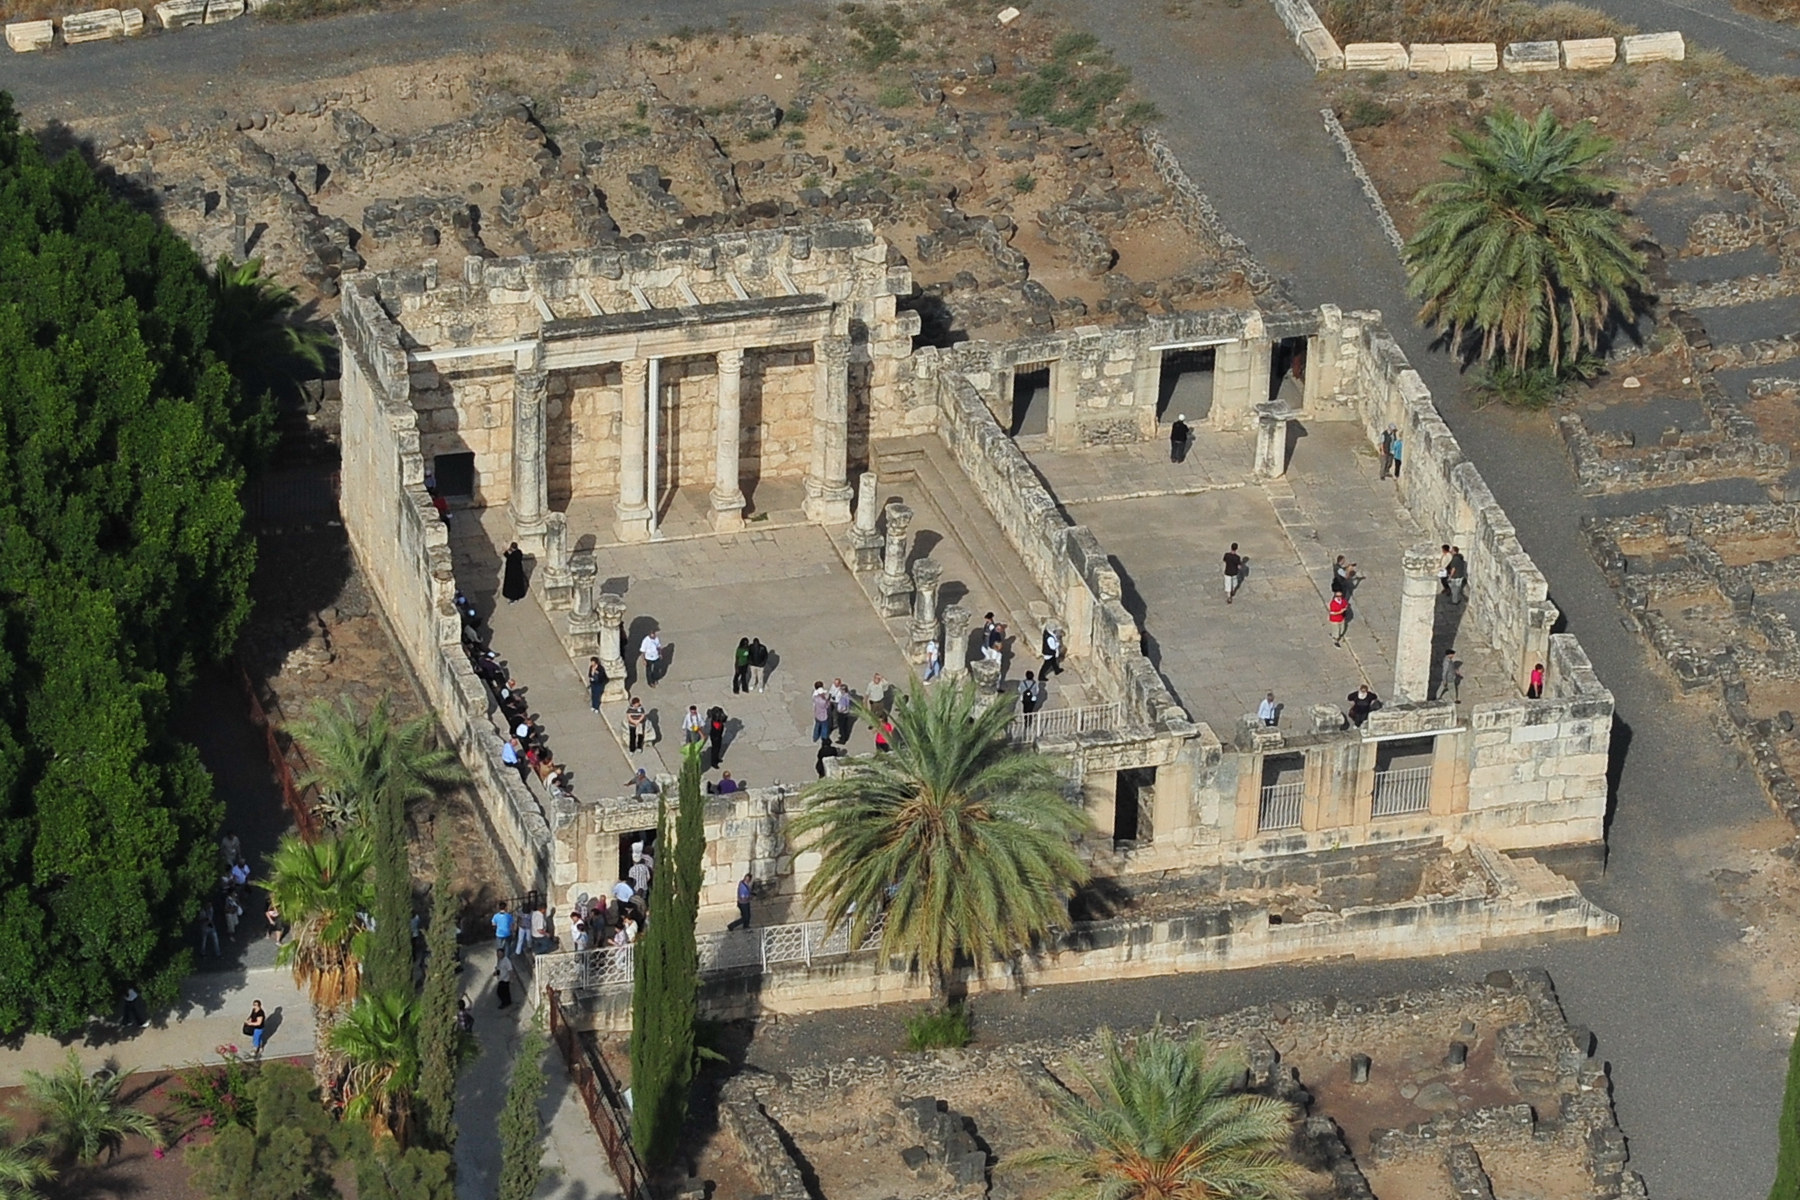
x=1287, y=371
x=1185, y=385
x=1135, y=786
x=1030, y=400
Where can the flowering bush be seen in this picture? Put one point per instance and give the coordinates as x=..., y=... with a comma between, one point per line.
x=214, y=1097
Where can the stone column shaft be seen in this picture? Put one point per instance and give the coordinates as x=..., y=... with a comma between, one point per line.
x=530, y=501
x=555, y=572
x=865, y=538
x=894, y=586
x=926, y=574
x=632, y=520
x=1271, y=445
x=827, y=493
x=584, y=621
x=611, y=609
x=957, y=621
x=1418, y=615
x=727, y=494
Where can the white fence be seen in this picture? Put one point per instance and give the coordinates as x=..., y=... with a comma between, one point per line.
x=1051, y=723
x=611, y=968
x=1280, y=807
x=1407, y=790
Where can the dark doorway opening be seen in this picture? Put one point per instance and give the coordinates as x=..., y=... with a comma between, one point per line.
x=631, y=845
x=1185, y=387
x=454, y=474
x=1133, y=785
x=1030, y=401
x=1287, y=371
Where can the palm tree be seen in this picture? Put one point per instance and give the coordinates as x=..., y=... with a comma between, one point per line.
x=1522, y=250
x=379, y=1040
x=1166, y=1124
x=355, y=762
x=82, y=1116
x=22, y=1167
x=965, y=840
x=254, y=331
x=324, y=889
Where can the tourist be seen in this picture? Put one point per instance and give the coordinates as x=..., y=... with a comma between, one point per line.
x=993, y=643
x=1178, y=439
x=209, y=932
x=513, y=756
x=1450, y=676
x=277, y=927
x=641, y=784
x=740, y=667
x=502, y=921
x=504, y=973
x=759, y=663
x=691, y=725
x=1362, y=703
x=715, y=734
x=1535, y=690
x=596, y=683
x=512, y=583
x=1397, y=449
x=1234, y=572
x=1456, y=574
x=230, y=847
x=635, y=717
x=134, y=1012
x=744, y=891
x=652, y=650
x=843, y=707
x=1388, y=439
x=821, y=710
x=233, y=910
x=640, y=878
x=728, y=785
x=1031, y=694
x=254, y=1026
x=879, y=696
x=465, y=1017
x=884, y=735
x=1268, y=711
x=1338, y=614
x=1052, y=652
x=1444, y=568
x=1342, y=576
x=934, y=660
x=541, y=941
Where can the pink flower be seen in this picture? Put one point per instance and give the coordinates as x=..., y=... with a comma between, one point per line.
x=207, y=1120
x=158, y=1152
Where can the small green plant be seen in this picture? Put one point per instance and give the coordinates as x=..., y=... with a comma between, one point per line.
x=944, y=1028
x=812, y=180
x=1142, y=112
x=894, y=96
x=1070, y=90
x=1365, y=113
x=759, y=135
x=795, y=115
x=795, y=138
x=635, y=129
x=1024, y=183
x=642, y=109
x=1529, y=387
x=880, y=40
x=685, y=33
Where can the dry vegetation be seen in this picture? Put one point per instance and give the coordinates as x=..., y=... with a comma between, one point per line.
x=1464, y=21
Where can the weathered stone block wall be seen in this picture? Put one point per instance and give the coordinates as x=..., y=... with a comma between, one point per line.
x=778, y=392
x=466, y=406
x=582, y=422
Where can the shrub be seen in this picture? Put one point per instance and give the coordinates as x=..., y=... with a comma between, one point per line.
x=894, y=96
x=1070, y=90
x=1366, y=113
x=215, y=1097
x=946, y=1028
x=1528, y=387
x=1464, y=21
x=1024, y=183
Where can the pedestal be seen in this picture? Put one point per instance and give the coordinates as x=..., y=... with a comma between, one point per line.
x=584, y=621
x=957, y=621
x=558, y=584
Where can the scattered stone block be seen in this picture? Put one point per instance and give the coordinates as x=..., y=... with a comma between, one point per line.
x=131, y=21
x=223, y=10
x=1322, y=50
x=174, y=14
x=1007, y=15
x=1655, y=47
x=30, y=35
x=1473, y=56
x=1375, y=56
x=96, y=25
x=1429, y=58
x=1589, y=54
x=1532, y=56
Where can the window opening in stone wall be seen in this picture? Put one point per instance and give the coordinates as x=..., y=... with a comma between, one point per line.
x=1287, y=371
x=1185, y=386
x=631, y=845
x=1403, y=776
x=1030, y=401
x=1283, y=792
x=454, y=474
x=1135, y=786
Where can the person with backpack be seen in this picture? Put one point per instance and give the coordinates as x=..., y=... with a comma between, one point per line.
x=740, y=667
x=715, y=734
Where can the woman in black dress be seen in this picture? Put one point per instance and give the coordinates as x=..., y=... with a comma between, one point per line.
x=512, y=583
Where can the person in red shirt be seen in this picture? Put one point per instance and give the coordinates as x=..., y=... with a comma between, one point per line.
x=1338, y=613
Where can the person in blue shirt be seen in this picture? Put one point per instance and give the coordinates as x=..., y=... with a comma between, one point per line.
x=503, y=928
x=743, y=903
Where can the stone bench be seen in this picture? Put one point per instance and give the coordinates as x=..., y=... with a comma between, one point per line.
x=30, y=35
x=96, y=25
x=1375, y=56
x=1589, y=54
x=1532, y=56
x=174, y=14
x=223, y=10
x=1655, y=47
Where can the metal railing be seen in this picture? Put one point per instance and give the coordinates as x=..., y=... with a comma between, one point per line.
x=298, y=805
x=1406, y=790
x=1064, y=722
x=611, y=968
x=1280, y=807
x=601, y=1094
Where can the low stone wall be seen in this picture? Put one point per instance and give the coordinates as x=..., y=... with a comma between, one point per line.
x=1574, y=54
x=1335, y=129
x=111, y=24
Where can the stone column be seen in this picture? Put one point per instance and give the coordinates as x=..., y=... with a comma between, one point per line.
x=1418, y=613
x=926, y=573
x=584, y=621
x=957, y=620
x=827, y=494
x=554, y=571
x=1271, y=441
x=727, y=496
x=632, y=520
x=530, y=502
x=865, y=538
x=611, y=607
x=894, y=587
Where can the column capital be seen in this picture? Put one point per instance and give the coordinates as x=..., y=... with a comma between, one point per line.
x=730, y=359
x=1421, y=561
x=835, y=349
x=635, y=371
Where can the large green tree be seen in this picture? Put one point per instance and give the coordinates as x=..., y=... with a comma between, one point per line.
x=124, y=565
x=1165, y=1123
x=965, y=840
x=521, y=1127
x=442, y=1043
x=1521, y=253
x=666, y=967
x=1787, y=1143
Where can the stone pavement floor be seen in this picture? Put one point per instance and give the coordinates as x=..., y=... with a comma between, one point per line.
x=1167, y=525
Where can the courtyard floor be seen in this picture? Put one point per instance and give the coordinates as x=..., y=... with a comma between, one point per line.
x=1167, y=525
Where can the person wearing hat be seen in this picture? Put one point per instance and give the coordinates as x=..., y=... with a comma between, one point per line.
x=1388, y=437
x=1178, y=439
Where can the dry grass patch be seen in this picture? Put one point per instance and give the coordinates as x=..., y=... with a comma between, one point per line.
x=1466, y=21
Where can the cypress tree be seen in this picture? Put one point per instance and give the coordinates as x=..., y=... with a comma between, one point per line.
x=1787, y=1155
x=441, y=1043
x=664, y=1000
x=521, y=1129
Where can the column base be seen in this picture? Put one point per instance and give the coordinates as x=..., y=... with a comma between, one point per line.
x=632, y=524
x=529, y=532
x=559, y=588
x=894, y=595
x=727, y=512
x=868, y=544
x=584, y=636
x=827, y=504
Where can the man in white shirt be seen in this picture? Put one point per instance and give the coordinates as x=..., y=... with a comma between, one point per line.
x=640, y=878
x=1268, y=710
x=651, y=649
